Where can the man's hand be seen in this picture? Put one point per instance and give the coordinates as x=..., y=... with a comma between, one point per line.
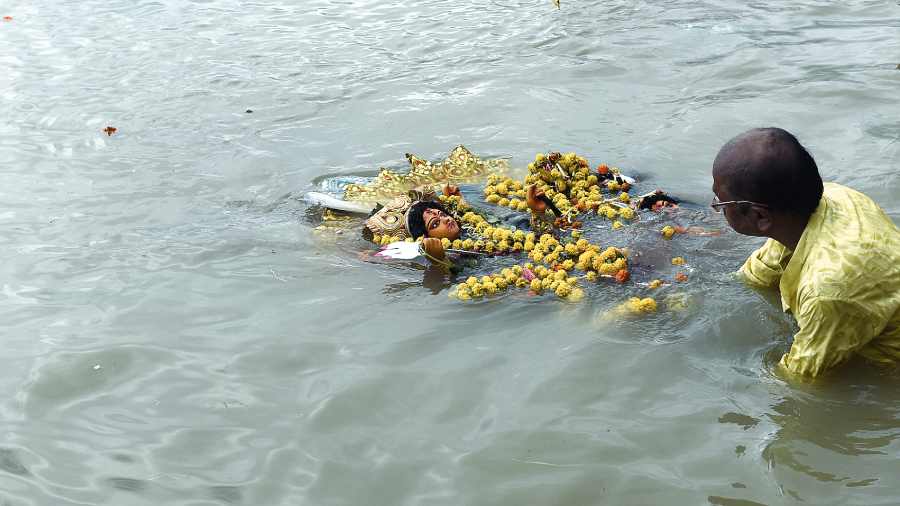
x=433, y=247
x=451, y=190
x=533, y=199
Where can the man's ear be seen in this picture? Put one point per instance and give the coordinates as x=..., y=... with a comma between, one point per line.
x=763, y=219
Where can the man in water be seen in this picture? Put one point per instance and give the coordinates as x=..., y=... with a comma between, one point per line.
x=833, y=253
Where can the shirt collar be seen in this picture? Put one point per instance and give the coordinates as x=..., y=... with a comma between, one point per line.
x=790, y=279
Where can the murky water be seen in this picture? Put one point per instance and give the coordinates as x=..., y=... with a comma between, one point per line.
x=174, y=333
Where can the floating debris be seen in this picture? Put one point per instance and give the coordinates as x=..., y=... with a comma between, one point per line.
x=110, y=130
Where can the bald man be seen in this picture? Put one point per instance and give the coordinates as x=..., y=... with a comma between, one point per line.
x=832, y=252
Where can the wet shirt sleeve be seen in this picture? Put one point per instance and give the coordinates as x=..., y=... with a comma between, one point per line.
x=764, y=266
x=831, y=331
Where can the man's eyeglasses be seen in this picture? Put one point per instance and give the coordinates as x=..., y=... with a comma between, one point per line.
x=717, y=206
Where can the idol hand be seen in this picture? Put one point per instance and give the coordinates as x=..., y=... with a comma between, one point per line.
x=533, y=199
x=433, y=248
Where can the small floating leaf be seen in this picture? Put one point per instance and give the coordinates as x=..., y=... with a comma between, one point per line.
x=110, y=130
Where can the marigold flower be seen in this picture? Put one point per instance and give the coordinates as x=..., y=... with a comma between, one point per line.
x=668, y=231
x=591, y=276
x=617, y=225
x=575, y=295
x=633, y=304
x=655, y=284
x=536, y=285
x=622, y=276
x=681, y=277
x=563, y=290
x=678, y=261
x=648, y=305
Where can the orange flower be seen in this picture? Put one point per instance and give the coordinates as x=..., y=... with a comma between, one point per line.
x=681, y=277
x=622, y=276
x=603, y=169
x=7, y=18
x=110, y=130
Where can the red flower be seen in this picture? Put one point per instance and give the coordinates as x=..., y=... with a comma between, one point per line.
x=623, y=276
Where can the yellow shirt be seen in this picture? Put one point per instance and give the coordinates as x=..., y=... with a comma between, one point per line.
x=842, y=283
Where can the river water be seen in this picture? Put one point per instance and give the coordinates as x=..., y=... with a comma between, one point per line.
x=175, y=333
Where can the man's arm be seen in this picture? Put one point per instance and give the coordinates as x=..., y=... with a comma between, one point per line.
x=764, y=266
x=831, y=331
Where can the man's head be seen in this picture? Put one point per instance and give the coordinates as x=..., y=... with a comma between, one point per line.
x=773, y=178
x=430, y=219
